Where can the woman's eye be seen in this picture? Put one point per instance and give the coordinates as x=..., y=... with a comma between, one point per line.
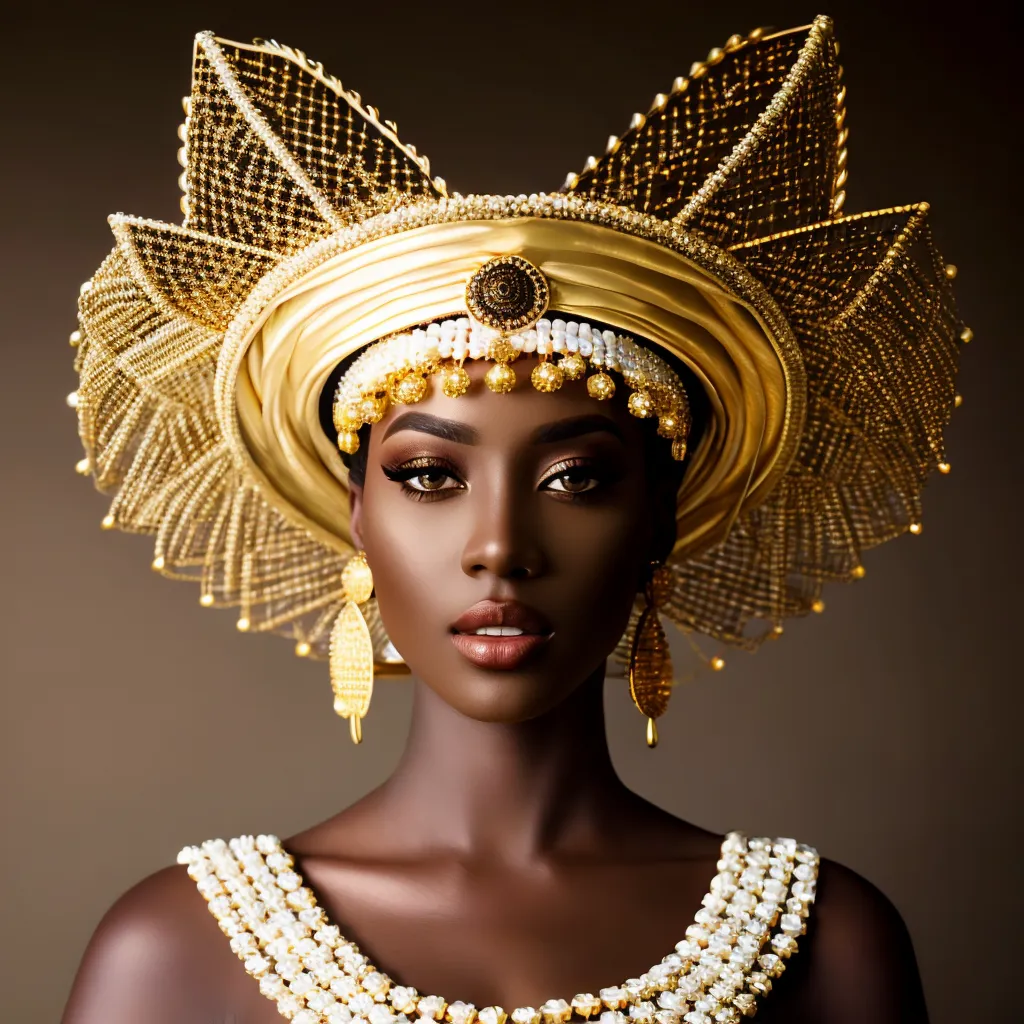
x=573, y=481
x=431, y=480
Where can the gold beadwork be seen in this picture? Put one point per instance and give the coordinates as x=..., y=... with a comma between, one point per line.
x=572, y=365
x=454, y=381
x=348, y=442
x=500, y=378
x=641, y=405
x=718, y=663
x=409, y=389
x=600, y=386
x=546, y=377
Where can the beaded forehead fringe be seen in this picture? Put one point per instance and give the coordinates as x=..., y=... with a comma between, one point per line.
x=396, y=370
x=741, y=165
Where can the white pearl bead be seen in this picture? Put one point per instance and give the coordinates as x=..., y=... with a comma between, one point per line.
x=586, y=347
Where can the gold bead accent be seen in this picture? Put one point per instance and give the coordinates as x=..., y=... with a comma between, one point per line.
x=944, y=467
x=348, y=417
x=72, y=400
x=641, y=404
x=778, y=630
x=858, y=572
x=85, y=286
x=668, y=424
x=206, y=600
x=158, y=563
x=242, y=625
x=500, y=378
x=454, y=381
x=818, y=607
x=916, y=528
x=734, y=42
x=573, y=365
x=679, y=450
x=958, y=400
x=409, y=389
x=717, y=663
x=600, y=386
x=348, y=442
x=546, y=377
x=371, y=410
x=502, y=351
x=652, y=733
x=83, y=467
x=967, y=335
x=950, y=271
x=107, y=522
x=76, y=339
x=302, y=649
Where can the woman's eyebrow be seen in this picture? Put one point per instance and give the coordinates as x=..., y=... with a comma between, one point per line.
x=448, y=430
x=565, y=430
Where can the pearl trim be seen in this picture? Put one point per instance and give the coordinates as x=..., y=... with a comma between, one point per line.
x=385, y=371
x=761, y=897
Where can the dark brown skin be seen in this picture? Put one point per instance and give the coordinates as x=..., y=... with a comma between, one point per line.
x=503, y=862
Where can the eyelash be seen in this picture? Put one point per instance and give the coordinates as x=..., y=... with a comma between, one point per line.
x=408, y=471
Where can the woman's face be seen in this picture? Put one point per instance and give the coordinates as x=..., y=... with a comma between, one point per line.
x=526, y=515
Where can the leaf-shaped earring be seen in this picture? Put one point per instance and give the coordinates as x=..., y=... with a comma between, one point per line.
x=650, y=663
x=352, y=648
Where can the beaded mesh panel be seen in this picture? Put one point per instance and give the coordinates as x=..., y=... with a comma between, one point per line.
x=749, y=151
x=750, y=143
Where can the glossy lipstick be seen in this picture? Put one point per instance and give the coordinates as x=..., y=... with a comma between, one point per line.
x=499, y=635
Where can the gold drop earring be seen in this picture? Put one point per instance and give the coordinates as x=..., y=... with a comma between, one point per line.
x=650, y=663
x=352, y=648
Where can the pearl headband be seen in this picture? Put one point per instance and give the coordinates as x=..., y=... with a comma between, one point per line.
x=397, y=369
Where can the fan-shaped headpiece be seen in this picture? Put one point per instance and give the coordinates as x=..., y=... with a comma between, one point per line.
x=826, y=346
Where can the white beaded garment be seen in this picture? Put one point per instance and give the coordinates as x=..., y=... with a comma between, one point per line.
x=739, y=941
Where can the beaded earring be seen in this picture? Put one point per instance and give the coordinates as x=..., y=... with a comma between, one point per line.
x=650, y=663
x=351, y=657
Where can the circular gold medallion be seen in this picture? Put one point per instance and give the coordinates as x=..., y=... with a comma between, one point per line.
x=507, y=293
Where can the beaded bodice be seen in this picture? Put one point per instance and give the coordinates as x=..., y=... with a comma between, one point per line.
x=738, y=943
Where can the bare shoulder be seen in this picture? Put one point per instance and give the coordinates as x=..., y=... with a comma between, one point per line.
x=856, y=962
x=157, y=956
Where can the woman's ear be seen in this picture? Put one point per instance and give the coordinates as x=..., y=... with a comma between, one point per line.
x=355, y=508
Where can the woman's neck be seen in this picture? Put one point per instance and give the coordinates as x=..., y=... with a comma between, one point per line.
x=511, y=792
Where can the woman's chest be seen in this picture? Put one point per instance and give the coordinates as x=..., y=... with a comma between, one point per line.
x=514, y=938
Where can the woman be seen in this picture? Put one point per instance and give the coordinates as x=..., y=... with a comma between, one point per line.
x=685, y=387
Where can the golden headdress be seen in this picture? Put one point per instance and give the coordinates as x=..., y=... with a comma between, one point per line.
x=826, y=345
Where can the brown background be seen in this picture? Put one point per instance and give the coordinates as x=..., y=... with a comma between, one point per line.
x=886, y=731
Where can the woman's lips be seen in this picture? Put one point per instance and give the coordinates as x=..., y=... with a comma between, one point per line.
x=499, y=635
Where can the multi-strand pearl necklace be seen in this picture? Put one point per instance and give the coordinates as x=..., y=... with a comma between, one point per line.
x=761, y=897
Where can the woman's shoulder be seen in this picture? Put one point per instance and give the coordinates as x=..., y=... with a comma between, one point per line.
x=856, y=961
x=157, y=955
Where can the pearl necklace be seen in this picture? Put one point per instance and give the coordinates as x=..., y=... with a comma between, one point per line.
x=760, y=897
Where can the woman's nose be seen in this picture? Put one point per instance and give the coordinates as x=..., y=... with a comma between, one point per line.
x=503, y=539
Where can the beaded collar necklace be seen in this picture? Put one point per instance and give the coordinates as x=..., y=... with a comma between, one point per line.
x=738, y=943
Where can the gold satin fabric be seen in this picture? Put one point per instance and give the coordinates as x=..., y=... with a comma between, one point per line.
x=595, y=273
